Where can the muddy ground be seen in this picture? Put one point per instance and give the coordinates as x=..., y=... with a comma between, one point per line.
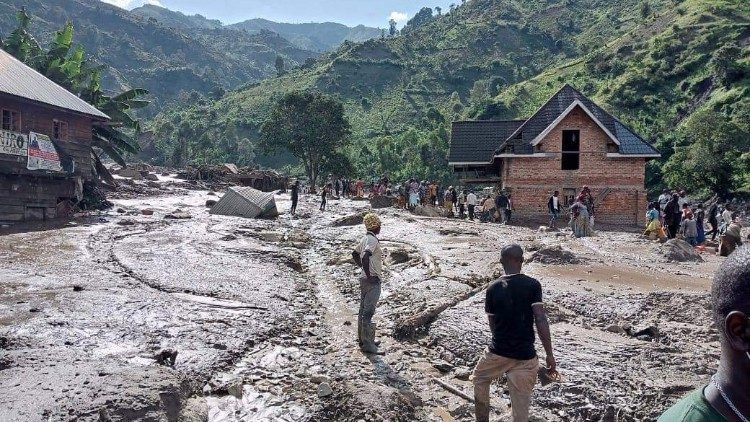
x=262, y=318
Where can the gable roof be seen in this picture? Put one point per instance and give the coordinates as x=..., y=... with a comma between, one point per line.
x=475, y=142
x=18, y=79
x=246, y=202
x=557, y=107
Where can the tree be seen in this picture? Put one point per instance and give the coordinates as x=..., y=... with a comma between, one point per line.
x=311, y=126
x=439, y=10
x=421, y=18
x=393, y=27
x=645, y=9
x=69, y=68
x=279, y=65
x=725, y=64
x=708, y=154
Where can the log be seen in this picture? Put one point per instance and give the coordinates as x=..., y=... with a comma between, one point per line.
x=454, y=390
x=409, y=326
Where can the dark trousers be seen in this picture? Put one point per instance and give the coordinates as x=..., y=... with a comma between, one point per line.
x=673, y=228
x=714, y=229
x=471, y=212
x=294, y=205
x=461, y=210
x=323, y=205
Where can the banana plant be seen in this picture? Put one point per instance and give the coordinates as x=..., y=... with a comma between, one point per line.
x=67, y=66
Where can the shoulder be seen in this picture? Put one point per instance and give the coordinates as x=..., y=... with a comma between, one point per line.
x=692, y=408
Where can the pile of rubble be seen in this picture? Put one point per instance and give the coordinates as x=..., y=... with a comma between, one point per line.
x=230, y=174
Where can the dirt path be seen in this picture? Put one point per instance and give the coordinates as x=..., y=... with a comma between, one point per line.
x=263, y=317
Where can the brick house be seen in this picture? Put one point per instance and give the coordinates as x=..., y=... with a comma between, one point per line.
x=570, y=142
x=45, y=143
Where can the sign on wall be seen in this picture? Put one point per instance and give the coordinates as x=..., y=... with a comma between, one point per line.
x=13, y=143
x=42, y=153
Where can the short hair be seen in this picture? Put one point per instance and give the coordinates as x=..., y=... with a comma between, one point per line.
x=731, y=287
x=512, y=251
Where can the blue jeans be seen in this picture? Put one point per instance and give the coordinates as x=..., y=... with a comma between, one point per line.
x=692, y=241
x=554, y=215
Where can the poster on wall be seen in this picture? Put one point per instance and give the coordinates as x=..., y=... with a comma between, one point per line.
x=42, y=153
x=13, y=143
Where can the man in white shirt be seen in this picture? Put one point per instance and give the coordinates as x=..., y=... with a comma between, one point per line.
x=369, y=256
x=471, y=202
x=553, y=205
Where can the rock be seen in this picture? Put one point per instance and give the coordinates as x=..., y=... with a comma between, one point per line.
x=677, y=250
x=210, y=203
x=381, y=201
x=178, y=215
x=120, y=211
x=153, y=184
x=166, y=357
x=442, y=365
x=398, y=257
x=324, y=389
x=463, y=374
x=147, y=211
x=555, y=255
x=126, y=222
x=350, y=220
x=130, y=173
x=235, y=389
x=77, y=288
x=151, y=176
x=194, y=410
x=319, y=379
x=165, y=174
x=648, y=333
x=614, y=328
x=430, y=211
x=212, y=193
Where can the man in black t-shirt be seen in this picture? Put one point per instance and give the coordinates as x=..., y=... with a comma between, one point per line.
x=513, y=305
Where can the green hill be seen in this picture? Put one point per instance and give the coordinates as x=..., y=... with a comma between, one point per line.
x=654, y=64
x=145, y=53
x=324, y=36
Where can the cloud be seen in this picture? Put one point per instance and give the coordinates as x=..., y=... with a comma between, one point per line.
x=399, y=17
x=129, y=4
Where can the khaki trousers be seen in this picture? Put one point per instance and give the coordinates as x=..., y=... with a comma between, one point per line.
x=521, y=379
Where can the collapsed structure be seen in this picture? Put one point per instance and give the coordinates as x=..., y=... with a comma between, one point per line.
x=570, y=142
x=246, y=202
x=45, y=144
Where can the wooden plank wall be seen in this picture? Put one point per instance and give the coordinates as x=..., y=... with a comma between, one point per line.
x=18, y=193
x=39, y=119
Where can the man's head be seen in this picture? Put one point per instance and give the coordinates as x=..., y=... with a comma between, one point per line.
x=556, y=193
x=689, y=215
x=372, y=223
x=682, y=193
x=730, y=296
x=511, y=257
x=675, y=197
x=665, y=191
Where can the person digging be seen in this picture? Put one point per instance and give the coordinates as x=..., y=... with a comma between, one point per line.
x=369, y=256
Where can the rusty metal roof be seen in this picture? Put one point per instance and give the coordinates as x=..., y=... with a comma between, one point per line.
x=20, y=80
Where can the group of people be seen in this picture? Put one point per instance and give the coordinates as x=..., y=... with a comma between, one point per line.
x=515, y=306
x=674, y=215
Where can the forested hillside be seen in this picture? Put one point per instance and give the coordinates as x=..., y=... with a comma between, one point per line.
x=656, y=64
x=145, y=53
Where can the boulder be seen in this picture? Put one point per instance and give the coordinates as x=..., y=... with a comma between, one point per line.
x=324, y=389
x=349, y=220
x=151, y=176
x=677, y=250
x=555, y=255
x=381, y=201
x=130, y=173
x=210, y=203
x=430, y=211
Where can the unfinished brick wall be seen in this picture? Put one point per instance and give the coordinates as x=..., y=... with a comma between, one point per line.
x=531, y=180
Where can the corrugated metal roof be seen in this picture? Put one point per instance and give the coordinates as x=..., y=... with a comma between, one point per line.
x=246, y=202
x=20, y=80
x=476, y=141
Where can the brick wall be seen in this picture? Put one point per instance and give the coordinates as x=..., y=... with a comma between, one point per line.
x=532, y=180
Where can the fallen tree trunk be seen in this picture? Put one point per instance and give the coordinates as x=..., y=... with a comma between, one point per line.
x=454, y=390
x=409, y=326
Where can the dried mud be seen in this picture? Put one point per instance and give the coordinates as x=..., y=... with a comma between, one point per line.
x=262, y=315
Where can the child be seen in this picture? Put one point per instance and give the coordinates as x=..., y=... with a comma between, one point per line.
x=689, y=229
x=652, y=215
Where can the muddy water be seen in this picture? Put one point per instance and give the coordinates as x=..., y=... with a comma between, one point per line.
x=262, y=315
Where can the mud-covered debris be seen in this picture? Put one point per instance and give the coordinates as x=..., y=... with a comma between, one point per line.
x=647, y=334
x=349, y=220
x=457, y=232
x=178, y=215
x=246, y=202
x=121, y=211
x=398, y=256
x=147, y=211
x=324, y=389
x=614, y=328
x=442, y=365
x=126, y=222
x=554, y=255
x=430, y=211
x=166, y=357
x=677, y=250
x=210, y=203
x=381, y=201
x=462, y=373
x=77, y=288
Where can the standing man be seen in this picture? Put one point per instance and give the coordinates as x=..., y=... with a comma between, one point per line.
x=471, y=202
x=462, y=204
x=713, y=220
x=369, y=256
x=673, y=216
x=553, y=205
x=663, y=199
x=295, y=196
x=513, y=305
x=501, y=206
x=727, y=396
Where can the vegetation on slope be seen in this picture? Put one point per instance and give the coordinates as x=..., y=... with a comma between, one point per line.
x=654, y=64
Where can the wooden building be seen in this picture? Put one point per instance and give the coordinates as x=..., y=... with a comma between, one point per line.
x=570, y=142
x=45, y=143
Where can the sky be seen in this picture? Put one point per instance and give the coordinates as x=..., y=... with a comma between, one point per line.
x=349, y=12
